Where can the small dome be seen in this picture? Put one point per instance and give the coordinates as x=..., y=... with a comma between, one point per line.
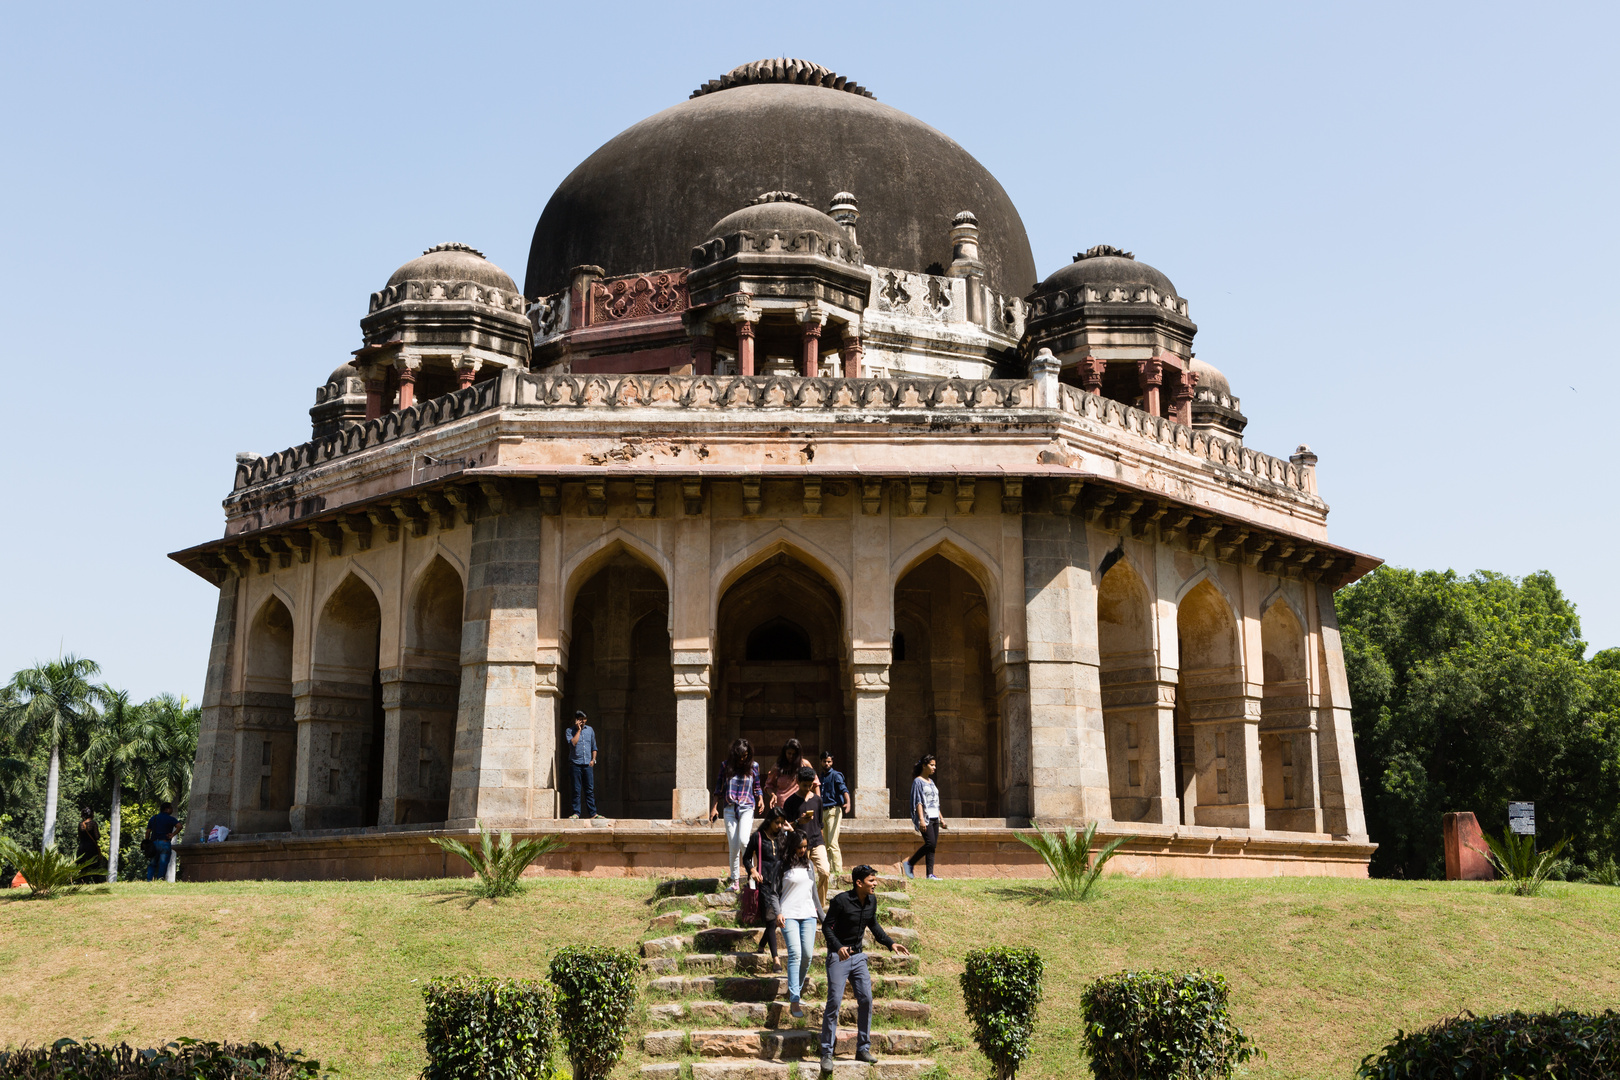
x=342, y=371
x=1210, y=377
x=1104, y=267
x=775, y=211
x=454, y=262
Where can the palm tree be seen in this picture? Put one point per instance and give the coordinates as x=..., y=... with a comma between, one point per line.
x=51, y=701
x=167, y=773
x=125, y=740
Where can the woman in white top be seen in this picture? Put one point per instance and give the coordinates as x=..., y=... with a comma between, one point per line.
x=799, y=913
x=924, y=815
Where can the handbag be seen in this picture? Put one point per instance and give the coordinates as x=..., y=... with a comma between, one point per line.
x=750, y=912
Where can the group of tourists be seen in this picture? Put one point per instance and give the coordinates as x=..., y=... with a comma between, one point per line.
x=157, y=846
x=782, y=870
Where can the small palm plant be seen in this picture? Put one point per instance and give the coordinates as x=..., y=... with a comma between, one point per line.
x=1070, y=856
x=499, y=865
x=1523, y=870
x=45, y=871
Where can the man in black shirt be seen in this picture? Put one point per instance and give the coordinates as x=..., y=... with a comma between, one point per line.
x=850, y=915
x=803, y=813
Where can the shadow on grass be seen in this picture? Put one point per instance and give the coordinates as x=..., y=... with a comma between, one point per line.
x=21, y=893
x=1033, y=895
x=450, y=894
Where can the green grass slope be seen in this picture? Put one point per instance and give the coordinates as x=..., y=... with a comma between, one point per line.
x=1322, y=971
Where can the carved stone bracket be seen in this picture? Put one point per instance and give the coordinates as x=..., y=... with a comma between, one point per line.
x=692, y=679
x=596, y=497
x=812, y=496
x=382, y=517
x=751, y=500
x=1065, y=493
x=917, y=496
x=332, y=534
x=1012, y=495
x=871, y=496
x=550, y=493
x=463, y=503
x=964, y=494
x=692, y=495
x=1098, y=500
x=646, y=496
x=494, y=495
x=870, y=678
x=411, y=510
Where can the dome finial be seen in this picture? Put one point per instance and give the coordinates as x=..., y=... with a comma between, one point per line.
x=782, y=70
x=1103, y=249
x=455, y=247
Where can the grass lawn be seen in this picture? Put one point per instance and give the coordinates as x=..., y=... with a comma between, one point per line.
x=1322, y=971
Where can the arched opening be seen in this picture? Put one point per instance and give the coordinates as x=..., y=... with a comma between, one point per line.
x=621, y=673
x=266, y=737
x=342, y=728
x=1209, y=751
x=422, y=707
x=942, y=697
x=781, y=676
x=1133, y=716
x=1287, y=744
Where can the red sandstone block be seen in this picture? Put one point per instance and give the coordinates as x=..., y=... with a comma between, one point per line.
x=1465, y=848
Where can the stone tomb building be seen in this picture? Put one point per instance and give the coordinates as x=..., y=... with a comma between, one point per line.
x=828, y=463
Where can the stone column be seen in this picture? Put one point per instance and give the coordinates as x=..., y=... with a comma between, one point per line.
x=1012, y=702
x=1092, y=369
x=1339, y=779
x=419, y=708
x=852, y=353
x=703, y=353
x=745, y=346
x=813, y=321
x=407, y=369
x=870, y=673
x=691, y=796
x=1150, y=375
x=1069, y=752
x=214, y=769
x=1226, y=749
x=492, y=774
x=334, y=721
x=1185, y=382
x=466, y=371
x=1140, y=712
x=374, y=395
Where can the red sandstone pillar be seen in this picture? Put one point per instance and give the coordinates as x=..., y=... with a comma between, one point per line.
x=1185, y=383
x=1091, y=374
x=374, y=398
x=745, y=348
x=407, y=386
x=466, y=371
x=1150, y=375
x=852, y=355
x=1465, y=847
x=702, y=354
x=812, y=349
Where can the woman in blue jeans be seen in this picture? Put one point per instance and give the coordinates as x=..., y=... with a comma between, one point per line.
x=800, y=913
x=736, y=797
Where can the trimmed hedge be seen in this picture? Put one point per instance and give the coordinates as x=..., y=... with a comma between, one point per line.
x=596, y=999
x=186, y=1059
x=1001, y=986
x=1567, y=1045
x=1152, y=1025
x=488, y=1029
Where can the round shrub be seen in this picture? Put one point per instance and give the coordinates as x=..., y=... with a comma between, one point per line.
x=1001, y=987
x=1567, y=1044
x=1143, y=1025
x=191, y=1059
x=488, y=1029
x=596, y=998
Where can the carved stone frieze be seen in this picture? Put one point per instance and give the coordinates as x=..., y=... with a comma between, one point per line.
x=639, y=296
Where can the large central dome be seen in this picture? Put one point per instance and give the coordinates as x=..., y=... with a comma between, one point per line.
x=646, y=198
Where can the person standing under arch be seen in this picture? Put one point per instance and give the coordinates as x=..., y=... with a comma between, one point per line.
x=582, y=756
x=925, y=817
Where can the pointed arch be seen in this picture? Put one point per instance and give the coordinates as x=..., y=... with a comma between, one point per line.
x=285, y=597
x=434, y=610
x=269, y=655
x=358, y=573
x=348, y=625
x=779, y=541
x=1203, y=575
x=585, y=561
x=958, y=549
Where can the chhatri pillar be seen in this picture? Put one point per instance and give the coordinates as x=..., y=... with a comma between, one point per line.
x=813, y=321
x=1150, y=375
x=407, y=368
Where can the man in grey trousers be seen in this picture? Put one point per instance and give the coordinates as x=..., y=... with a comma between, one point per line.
x=850, y=915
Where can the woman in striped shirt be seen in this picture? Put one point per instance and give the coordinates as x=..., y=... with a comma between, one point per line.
x=737, y=797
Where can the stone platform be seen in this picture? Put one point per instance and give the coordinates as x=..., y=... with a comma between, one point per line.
x=987, y=848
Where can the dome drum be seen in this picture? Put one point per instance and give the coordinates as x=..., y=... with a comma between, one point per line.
x=779, y=247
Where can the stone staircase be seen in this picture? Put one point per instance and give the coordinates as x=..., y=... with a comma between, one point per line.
x=719, y=1011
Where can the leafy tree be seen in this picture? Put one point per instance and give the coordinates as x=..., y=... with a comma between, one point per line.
x=1468, y=693
x=124, y=744
x=167, y=776
x=51, y=704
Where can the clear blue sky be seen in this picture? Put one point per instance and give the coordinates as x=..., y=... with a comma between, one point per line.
x=1396, y=225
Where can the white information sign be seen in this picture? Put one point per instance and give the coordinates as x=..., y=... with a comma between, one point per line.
x=1522, y=818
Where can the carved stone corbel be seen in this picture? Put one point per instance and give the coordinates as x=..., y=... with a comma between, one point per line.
x=751, y=500
x=435, y=503
x=236, y=557
x=410, y=510
x=1119, y=518
x=282, y=552
x=257, y=552
x=1098, y=501
x=964, y=494
x=917, y=496
x=357, y=526
x=494, y=495
x=692, y=495
x=550, y=497
x=303, y=541
x=1201, y=535
x=1012, y=495
x=1141, y=524
x=871, y=496
x=383, y=518
x=1230, y=542
x=458, y=498
x=1257, y=550
x=812, y=496
x=646, y=496
x=1065, y=493
x=332, y=533
x=596, y=496
x=1174, y=525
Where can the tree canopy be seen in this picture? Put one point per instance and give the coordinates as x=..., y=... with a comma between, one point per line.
x=1471, y=692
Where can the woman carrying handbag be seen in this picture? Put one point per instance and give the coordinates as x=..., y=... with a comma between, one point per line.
x=800, y=913
x=759, y=902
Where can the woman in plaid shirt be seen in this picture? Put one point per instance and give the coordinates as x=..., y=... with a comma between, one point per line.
x=736, y=797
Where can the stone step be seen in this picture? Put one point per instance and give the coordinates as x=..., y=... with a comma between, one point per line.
x=725, y=914
x=774, y=1014
x=743, y=1069
x=727, y=939
x=892, y=897
x=770, y=988
x=788, y=1044
x=687, y=887
x=753, y=963
x=695, y=902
